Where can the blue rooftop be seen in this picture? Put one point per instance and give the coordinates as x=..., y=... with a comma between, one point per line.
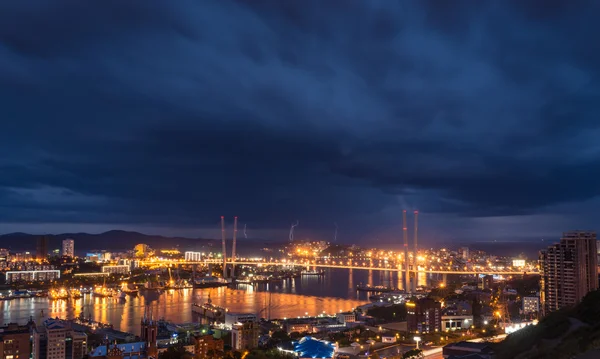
x=309, y=347
x=127, y=348
x=54, y=324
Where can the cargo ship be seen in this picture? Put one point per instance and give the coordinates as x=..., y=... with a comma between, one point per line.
x=210, y=282
x=374, y=288
x=210, y=311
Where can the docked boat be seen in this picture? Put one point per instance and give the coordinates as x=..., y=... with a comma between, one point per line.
x=128, y=289
x=102, y=292
x=210, y=282
x=58, y=294
x=19, y=294
x=312, y=272
x=74, y=293
x=154, y=285
x=178, y=284
x=243, y=281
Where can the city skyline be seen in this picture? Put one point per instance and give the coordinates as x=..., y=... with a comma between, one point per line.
x=479, y=115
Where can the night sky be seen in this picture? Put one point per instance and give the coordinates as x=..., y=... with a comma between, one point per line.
x=161, y=116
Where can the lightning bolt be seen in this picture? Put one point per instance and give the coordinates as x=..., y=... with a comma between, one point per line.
x=292, y=230
x=335, y=233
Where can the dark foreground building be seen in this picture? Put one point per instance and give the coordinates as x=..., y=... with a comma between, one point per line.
x=569, y=270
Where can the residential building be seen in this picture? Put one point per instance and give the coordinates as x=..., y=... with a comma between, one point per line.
x=116, y=269
x=193, y=256
x=487, y=282
x=456, y=322
x=569, y=270
x=49, y=340
x=205, y=345
x=68, y=248
x=42, y=247
x=346, y=317
x=76, y=345
x=4, y=255
x=424, y=316
x=245, y=335
x=231, y=318
x=464, y=251
x=519, y=263
x=22, y=256
x=14, y=342
x=531, y=305
x=32, y=275
x=458, y=307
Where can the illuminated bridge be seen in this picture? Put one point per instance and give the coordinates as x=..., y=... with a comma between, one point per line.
x=349, y=265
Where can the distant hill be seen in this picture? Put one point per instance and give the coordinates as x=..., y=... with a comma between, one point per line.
x=113, y=240
x=118, y=240
x=564, y=334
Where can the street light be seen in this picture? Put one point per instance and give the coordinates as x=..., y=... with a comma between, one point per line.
x=417, y=339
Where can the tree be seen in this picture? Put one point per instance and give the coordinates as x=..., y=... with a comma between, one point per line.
x=175, y=352
x=280, y=335
x=256, y=354
x=296, y=335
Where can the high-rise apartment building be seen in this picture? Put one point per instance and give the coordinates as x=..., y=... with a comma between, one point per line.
x=56, y=339
x=206, y=346
x=244, y=335
x=569, y=270
x=42, y=247
x=76, y=345
x=14, y=342
x=49, y=340
x=531, y=305
x=68, y=248
x=424, y=316
x=464, y=251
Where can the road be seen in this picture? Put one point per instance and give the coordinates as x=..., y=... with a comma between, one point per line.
x=428, y=353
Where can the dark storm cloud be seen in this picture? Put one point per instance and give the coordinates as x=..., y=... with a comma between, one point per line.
x=175, y=113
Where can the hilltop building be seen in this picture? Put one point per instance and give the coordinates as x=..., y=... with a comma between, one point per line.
x=68, y=248
x=41, y=249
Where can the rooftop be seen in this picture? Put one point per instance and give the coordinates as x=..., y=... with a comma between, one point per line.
x=127, y=348
x=470, y=345
x=309, y=347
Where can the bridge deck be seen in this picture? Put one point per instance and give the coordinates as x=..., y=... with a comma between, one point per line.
x=296, y=264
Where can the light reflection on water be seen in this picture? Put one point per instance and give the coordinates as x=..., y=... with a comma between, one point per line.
x=308, y=294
